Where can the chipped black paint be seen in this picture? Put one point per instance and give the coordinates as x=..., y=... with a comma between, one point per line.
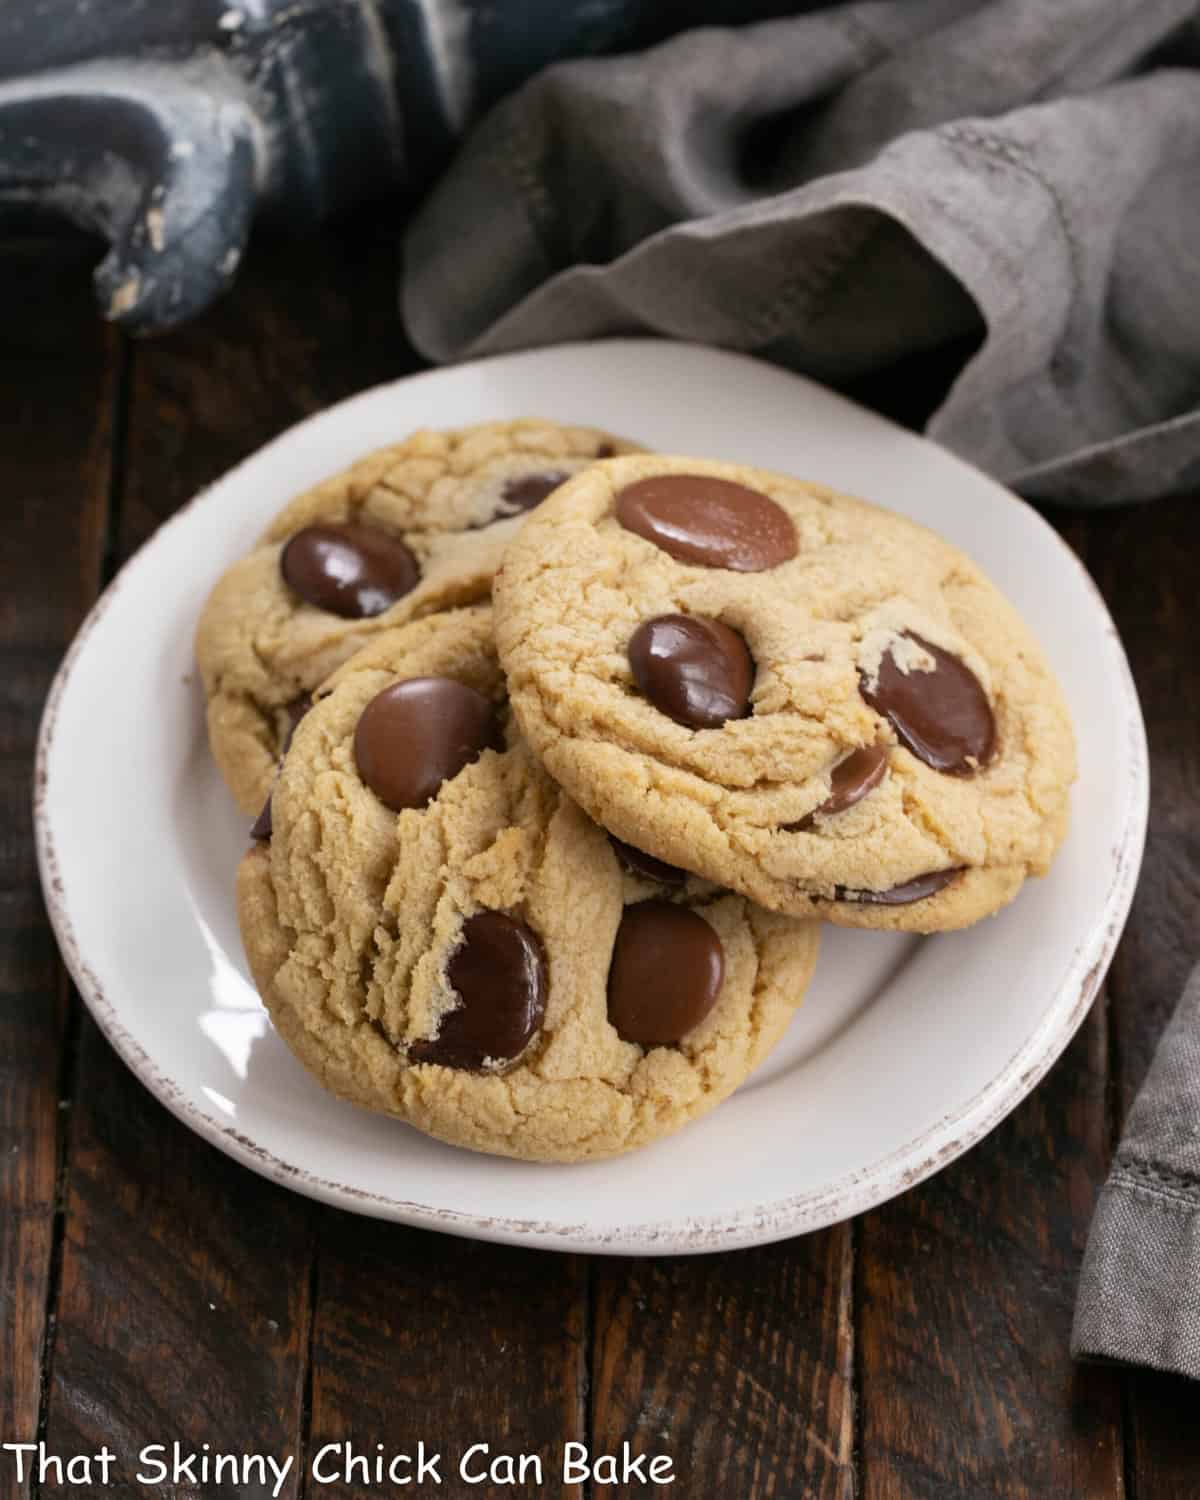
x=168, y=128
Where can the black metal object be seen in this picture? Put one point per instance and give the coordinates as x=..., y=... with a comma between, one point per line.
x=164, y=124
x=167, y=126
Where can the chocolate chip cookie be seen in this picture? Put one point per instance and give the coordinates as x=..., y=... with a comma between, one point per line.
x=801, y=696
x=441, y=934
x=409, y=529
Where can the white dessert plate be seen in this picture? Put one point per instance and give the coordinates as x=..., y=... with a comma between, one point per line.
x=906, y=1050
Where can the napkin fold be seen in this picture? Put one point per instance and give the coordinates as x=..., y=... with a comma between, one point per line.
x=1139, y=1291
x=1014, y=181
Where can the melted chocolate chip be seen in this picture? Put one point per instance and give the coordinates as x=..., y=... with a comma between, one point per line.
x=348, y=569
x=499, y=974
x=416, y=734
x=295, y=711
x=261, y=829
x=644, y=865
x=713, y=522
x=667, y=970
x=695, y=670
x=901, y=895
x=525, y=491
x=852, y=778
x=605, y=450
x=942, y=716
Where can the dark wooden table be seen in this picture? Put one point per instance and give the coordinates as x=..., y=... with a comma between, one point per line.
x=152, y=1291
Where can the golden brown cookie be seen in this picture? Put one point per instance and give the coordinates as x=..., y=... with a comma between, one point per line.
x=439, y=933
x=406, y=530
x=801, y=696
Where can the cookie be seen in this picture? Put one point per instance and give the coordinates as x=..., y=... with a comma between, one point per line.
x=793, y=693
x=439, y=932
x=407, y=530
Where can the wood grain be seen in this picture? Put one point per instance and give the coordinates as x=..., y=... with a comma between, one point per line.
x=422, y=1336
x=967, y=1289
x=54, y=427
x=1146, y=561
x=183, y=1311
x=739, y=1367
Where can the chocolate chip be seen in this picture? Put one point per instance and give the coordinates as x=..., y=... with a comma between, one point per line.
x=295, y=711
x=499, y=974
x=667, y=969
x=853, y=777
x=644, y=865
x=696, y=670
x=417, y=734
x=348, y=569
x=261, y=828
x=900, y=895
x=525, y=491
x=713, y=522
x=605, y=450
x=942, y=716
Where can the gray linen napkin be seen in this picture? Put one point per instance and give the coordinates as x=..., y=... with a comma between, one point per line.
x=1139, y=1292
x=848, y=187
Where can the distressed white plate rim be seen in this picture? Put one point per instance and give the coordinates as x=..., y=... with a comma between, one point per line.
x=905, y=1052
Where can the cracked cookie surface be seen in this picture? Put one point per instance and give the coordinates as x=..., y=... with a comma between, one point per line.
x=801, y=696
x=423, y=523
x=368, y=929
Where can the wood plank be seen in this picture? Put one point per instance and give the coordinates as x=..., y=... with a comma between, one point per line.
x=185, y=1309
x=967, y=1289
x=420, y=1336
x=1147, y=560
x=738, y=1367
x=1163, y=1459
x=55, y=427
